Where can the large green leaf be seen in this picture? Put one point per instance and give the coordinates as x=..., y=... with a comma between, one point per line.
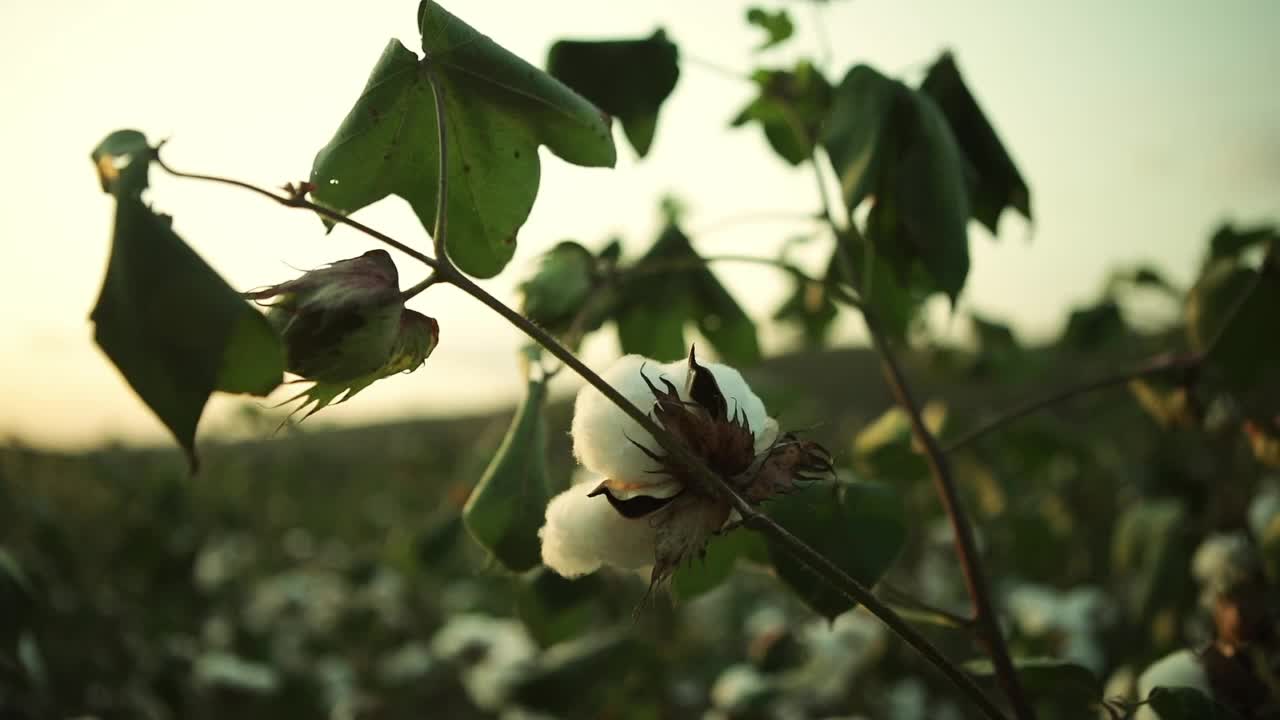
x=1229, y=241
x=671, y=286
x=860, y=526
x=506, y=507
x=995, y=182
x=790, y=107
x=893, y=144
x=555, y=609
x=629, y=79
x=174, y=328
x=1187, y=703
x=896, y=300
x=498, y=110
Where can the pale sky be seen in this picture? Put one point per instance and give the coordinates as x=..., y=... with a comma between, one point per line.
x=1138, y=125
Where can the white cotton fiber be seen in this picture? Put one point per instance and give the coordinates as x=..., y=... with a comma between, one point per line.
x=601, y=430
x=581, y=533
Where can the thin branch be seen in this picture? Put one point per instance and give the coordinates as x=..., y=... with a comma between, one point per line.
x=714, y=67
x=442, y=187
x=987, y=623
x=295, y=198
x=1159, y=365
x=938, y=615
x=751, y=517
x=414, y=291
x=771, y=216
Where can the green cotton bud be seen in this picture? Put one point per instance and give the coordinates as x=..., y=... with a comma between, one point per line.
x=417, y=337
x=557, y=291
x=340, y=322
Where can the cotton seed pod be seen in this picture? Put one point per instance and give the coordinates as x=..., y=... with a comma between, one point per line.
x=339, y=322
x=556, y=292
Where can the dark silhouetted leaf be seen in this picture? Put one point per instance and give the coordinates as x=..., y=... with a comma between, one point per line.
x=174, y=328
x=790, y=108
x=629, y=79
x=1229, y=241
x=810, y=308
x=506, y=507
x=896, y=301
x=1089, y=328
x=859, y=526
x=776, y=25
x=671, y=286
x=995, y=183
x=498, y=109
x=892, y=144
x=122, y=160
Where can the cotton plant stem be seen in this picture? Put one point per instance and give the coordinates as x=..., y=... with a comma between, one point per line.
x=295, y=199
x=986, y=621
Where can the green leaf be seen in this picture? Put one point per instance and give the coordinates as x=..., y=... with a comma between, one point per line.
x=1149, y=550
x=506, y=507
x=670, y=286
x=174, y=328
x=629, y=79
x=555, y=609
x=707, y=572
x=498, y=110
x=1091, y=327
x=791, y=108
x=860, y=526
x=896, y=300
x=995, y=181
x=1236, y=305
x=1048, y=679
x=1186, y=703
x=777, y=25
x=891, y=143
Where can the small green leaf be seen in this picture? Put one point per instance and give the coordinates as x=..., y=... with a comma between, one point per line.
x=707, y=572
x=893, y=144
x=1230, y=242
x=506, y=507
x=1186, y=703
x=557, y=291
x=174, y=328
x=670, y=286
x=777, y=25
x=1089, y=328
x=629, y=79
x=122, y=160
x=896, y=300
x=498, y=110
x=1048, y=679
x=791, y=108
x=995, y=182
x=860, y=526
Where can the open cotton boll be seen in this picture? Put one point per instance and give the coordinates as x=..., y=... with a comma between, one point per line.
x=601, y=430
x=582, y=533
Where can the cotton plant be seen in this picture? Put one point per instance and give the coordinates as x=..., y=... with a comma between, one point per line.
x=638, y=507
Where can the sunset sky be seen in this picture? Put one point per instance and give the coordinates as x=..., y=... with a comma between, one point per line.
x=1139, y=126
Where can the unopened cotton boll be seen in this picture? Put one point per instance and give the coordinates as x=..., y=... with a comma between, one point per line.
x=582, y=533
